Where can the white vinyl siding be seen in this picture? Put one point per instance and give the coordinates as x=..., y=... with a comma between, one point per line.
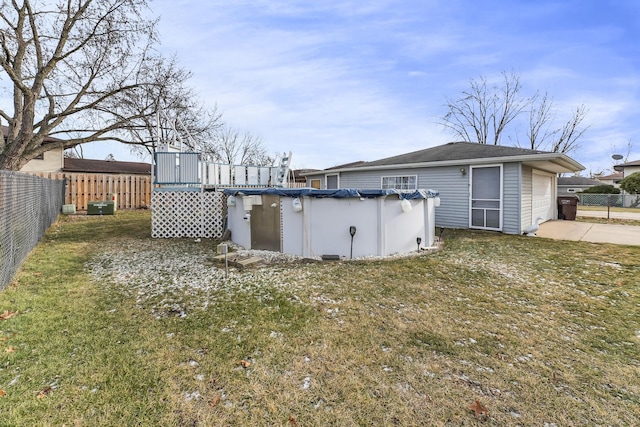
x=406, y=182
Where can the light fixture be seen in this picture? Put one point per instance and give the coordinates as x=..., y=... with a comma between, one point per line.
x=297, y=205
x=463, y=171
x=418, y=241
x=352, y=232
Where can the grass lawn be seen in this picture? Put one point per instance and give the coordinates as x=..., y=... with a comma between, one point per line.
x=106, y=326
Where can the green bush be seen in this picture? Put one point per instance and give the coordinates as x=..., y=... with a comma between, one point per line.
x=631, y=184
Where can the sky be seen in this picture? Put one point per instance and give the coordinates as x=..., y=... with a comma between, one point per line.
x=341, y=81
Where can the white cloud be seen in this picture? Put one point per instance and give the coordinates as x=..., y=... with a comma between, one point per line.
x=339, y=81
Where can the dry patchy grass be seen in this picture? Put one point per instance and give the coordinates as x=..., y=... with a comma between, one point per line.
x=129, y=330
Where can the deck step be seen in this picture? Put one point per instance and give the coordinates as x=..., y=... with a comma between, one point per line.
x=249, y=261
x=239, y=261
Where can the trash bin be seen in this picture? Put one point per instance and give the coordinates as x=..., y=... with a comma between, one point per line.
x=567, y=207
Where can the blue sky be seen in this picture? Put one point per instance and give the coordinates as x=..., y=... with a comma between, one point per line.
x=340, y=81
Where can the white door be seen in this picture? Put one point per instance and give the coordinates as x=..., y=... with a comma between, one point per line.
x=542, y=197
x=486, y=198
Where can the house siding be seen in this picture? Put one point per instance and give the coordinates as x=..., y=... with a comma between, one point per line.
x=372, y=179
x=526, y=196
x=52, y=162
x=452, y=185
x=454, y=188
x=629, y=170
x=511, y=179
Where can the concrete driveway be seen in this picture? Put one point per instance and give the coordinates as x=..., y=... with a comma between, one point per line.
x=588, y=232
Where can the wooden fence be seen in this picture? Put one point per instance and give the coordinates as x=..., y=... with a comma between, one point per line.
x=130, y=191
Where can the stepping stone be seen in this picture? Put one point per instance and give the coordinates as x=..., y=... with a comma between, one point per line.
x=248, y=262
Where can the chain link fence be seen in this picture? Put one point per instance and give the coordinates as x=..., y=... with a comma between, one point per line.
x=28, y=206
x=613, y=200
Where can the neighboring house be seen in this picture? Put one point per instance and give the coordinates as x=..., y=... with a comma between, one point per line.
x=53, y=161
x=628, y=168
x=330, y=180
x=612, y=179
x=49, y=161
x=297, y=176
x=488, y=187
x=575, y=184
x=106, y=167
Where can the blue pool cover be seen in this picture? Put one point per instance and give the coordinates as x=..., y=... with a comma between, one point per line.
x=341, y=193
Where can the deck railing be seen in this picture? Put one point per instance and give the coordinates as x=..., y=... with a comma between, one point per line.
x=188, y=169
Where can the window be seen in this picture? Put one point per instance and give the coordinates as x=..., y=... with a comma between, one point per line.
x=39, y=157
x=315, y=183
x=409, y=182
x=332, y=182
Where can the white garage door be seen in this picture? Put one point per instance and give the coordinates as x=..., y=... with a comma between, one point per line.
x=542, y=197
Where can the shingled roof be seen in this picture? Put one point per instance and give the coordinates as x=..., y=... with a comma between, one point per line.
x=633, y=163
x=466, y=153
x=106, y=166
x=453, y=151
x=577, y=180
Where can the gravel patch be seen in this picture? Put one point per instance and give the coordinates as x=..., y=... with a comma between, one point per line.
x=174, y=278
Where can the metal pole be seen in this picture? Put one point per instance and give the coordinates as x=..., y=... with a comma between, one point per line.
x=351, y=255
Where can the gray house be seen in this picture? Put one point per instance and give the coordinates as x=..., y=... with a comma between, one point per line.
x=575, y=184
x=488, y=187
x=628, y=168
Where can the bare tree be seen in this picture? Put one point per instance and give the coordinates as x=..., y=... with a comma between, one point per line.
x=482, y=113
x=74, y=153
x=233, y=147
x=180, y=112
x=569, y=135
x=540, y=115
x=625, y=158
x=71, y=67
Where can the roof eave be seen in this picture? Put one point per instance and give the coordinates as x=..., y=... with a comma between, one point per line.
x=560, y=163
